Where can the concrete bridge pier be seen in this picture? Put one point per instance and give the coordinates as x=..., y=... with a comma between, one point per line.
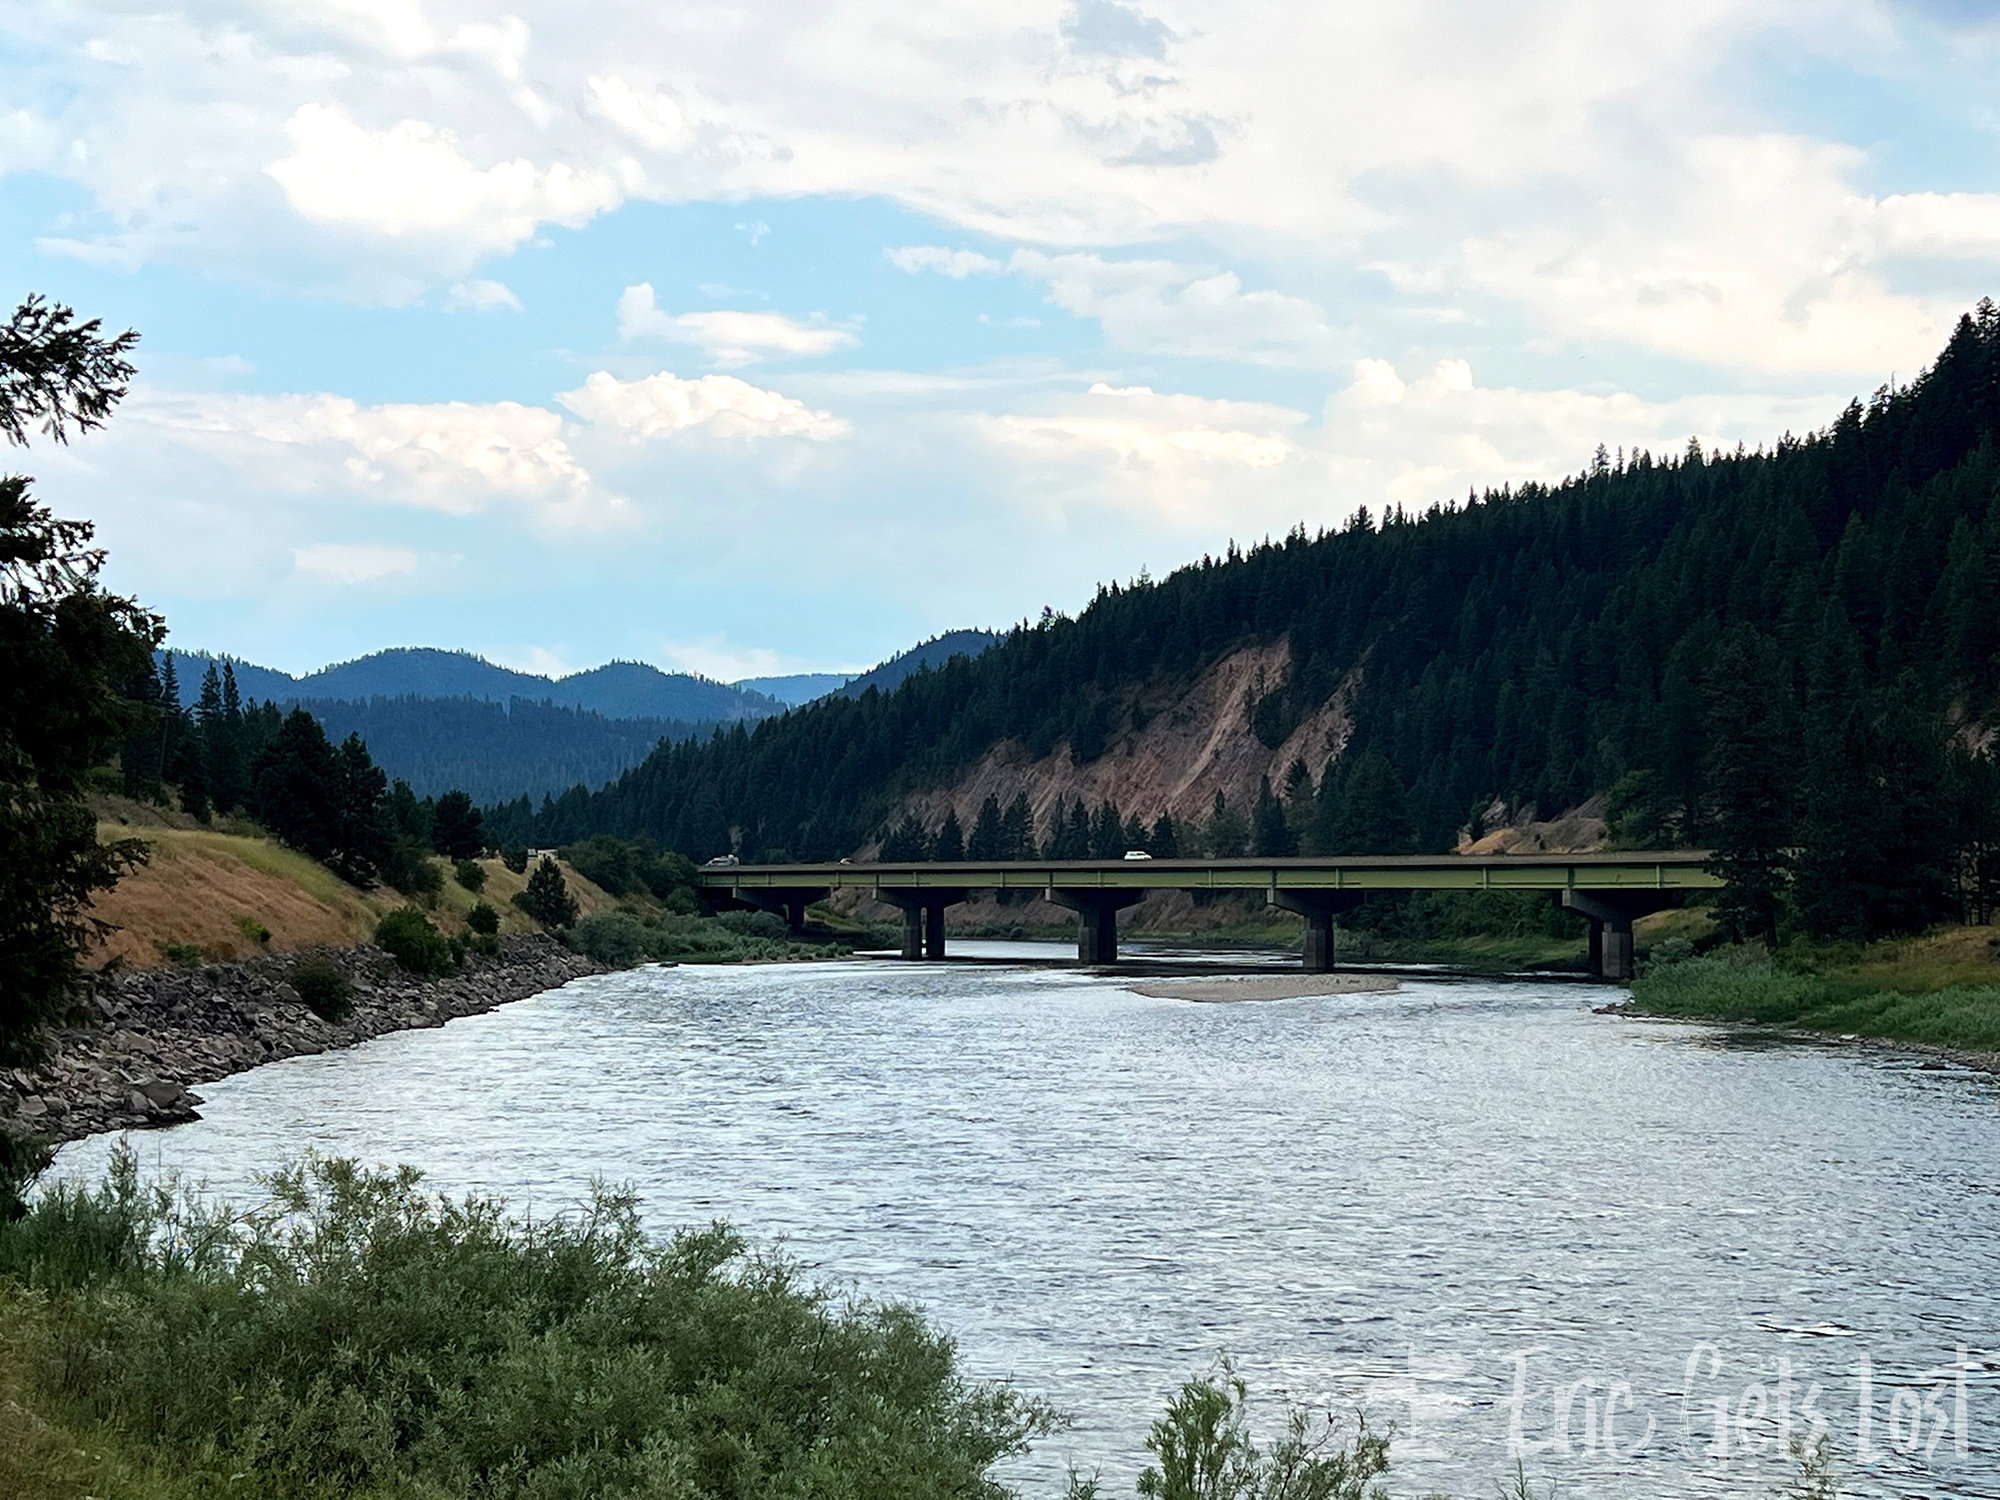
x=1097, y=938
x=1611, y=915
x=923, y=919
x=1319, y=908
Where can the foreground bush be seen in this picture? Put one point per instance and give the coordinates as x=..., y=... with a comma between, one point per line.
x=323, y=987
x=358, y=1336
x=407, y=936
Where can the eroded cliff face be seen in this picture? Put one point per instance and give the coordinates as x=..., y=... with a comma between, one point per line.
x=1195, y=743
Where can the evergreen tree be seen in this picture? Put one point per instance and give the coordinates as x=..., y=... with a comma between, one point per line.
x=988, y=842
x=455, y=827
x=1164, y=841
x=1227, y=835
x=1748, y=709
x=1269, y=834
x=68, y=646
x=949, y=846
x=908, y=843
x=1374, y=809
x=1974, y=782
x=139, y=755
x=1017, y=830
x=228, y=772
x=1076, y=840
x=547, y=898
x=1107, y=832
x=328, y=803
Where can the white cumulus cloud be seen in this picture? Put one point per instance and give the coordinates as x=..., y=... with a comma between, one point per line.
x=729, y=338
x=665, y=404
x=411, y=181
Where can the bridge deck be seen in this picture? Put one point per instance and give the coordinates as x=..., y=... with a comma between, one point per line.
x=1679, y=870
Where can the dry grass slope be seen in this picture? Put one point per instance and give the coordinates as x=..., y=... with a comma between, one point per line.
x=201, y=888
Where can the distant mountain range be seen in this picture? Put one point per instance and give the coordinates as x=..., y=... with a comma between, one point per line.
x=616, y=690
x=444, y=719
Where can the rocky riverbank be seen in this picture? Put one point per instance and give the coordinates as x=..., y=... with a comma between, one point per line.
x=160, y=1033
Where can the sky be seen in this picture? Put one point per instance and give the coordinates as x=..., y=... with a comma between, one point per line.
x=772, y=337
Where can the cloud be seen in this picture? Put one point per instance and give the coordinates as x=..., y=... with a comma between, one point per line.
x=664, y=405
x=650, y=118
x=957, y=264
x=716, y=657
x=411, y=182
x=1163, y=307
x=347, y=563
x=481, y=296
x=455, y=457
x=730, y=339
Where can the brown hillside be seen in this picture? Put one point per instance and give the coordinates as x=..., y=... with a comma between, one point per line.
x=1196, y=743
x=200, y=888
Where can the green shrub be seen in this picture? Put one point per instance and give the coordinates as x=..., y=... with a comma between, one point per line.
x=411, y=871
x=615, y=938
x=763, y=924
x=178, y=953
x=471, y=874
x=323, y=988
x=254, y=930
x=407, y=936
x=483, y=919
x=359, y=1336
x=515, y=858
x=1734, y=989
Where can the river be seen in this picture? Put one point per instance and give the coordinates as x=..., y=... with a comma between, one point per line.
x=1450, y=1203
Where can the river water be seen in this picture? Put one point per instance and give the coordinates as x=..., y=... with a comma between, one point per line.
x=1453, y=1204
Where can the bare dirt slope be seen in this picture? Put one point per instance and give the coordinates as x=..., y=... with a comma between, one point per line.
x=1191, y=748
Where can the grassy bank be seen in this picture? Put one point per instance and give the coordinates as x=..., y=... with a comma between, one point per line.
x=356, y=1337
x=1941, y=990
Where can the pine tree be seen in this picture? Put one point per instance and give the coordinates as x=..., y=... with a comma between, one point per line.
x=1227, y=835
x=1107, y=832
x=1374, y=809
x=1164, y=842
x=949, y=846
x=547, y=898
x=139, y=754
x=1748, y=775
x=1017, y=830
x=455, y=830
x=1269, y=835
x=988, y=841
x=908, y=843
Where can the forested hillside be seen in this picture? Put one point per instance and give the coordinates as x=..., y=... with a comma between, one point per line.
x=494, y=751
x=1767, y=652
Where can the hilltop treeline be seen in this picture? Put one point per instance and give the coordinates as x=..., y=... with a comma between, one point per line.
x=1704, y=634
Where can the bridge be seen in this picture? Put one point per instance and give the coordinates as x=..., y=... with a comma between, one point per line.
x=1611, y=890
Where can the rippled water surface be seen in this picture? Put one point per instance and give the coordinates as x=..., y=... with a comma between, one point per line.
x=1431, y=1201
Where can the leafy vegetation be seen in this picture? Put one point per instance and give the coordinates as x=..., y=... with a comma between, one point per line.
x=622, y=938
x=323, y=988
x=407, y=936
x=356, y=1336
x=1882, y=994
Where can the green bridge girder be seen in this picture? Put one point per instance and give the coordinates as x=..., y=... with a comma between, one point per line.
x=1610, y=890
x=1679, y=870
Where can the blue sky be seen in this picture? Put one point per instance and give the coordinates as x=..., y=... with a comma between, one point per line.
x=764, y=338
